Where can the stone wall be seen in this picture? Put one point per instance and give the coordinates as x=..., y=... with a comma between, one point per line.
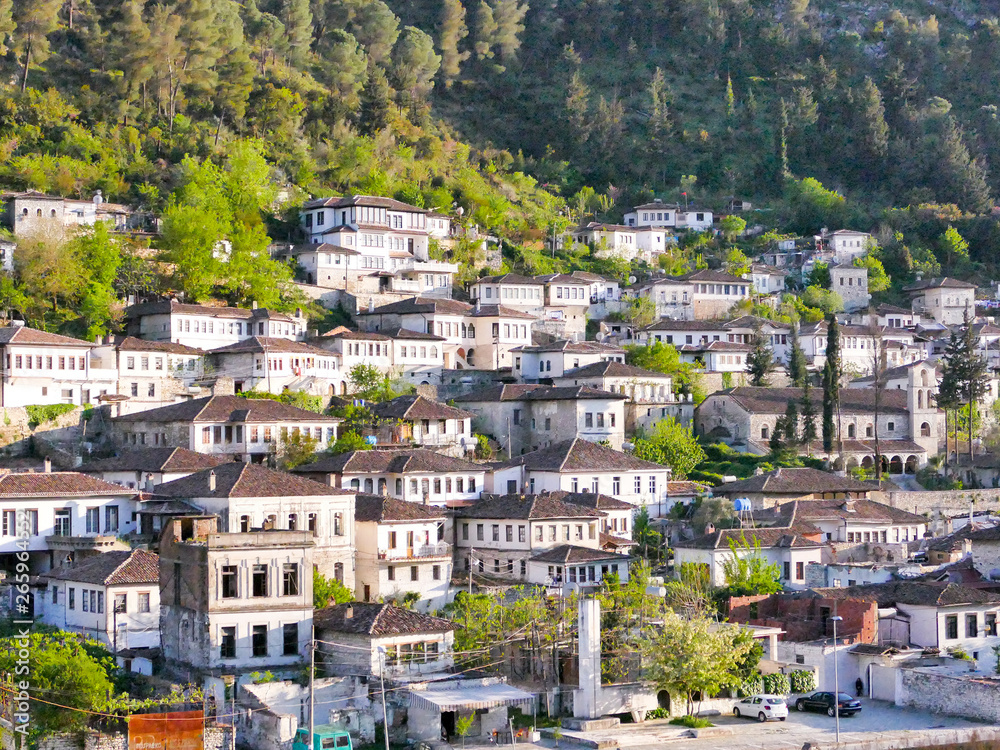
x=216, y=738
x=929, y=690
x=950, y=502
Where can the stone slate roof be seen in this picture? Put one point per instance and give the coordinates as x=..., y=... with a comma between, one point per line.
x=579, y=455
x=525, y=507
x=375, y=201
x=238, y=479
x=57, y=484
x=531, y=392
x=759, y=400
x=407, y=335
x=388, y=462
x=611, y=369
x=781, y=536
x=794, y=482
x=172, y=306
x=228, y=409
x=133, y=344
x=510, y=278
x=417, y=407
x=666, y=324
x=154, y=460
x=115, y=568
x=346, y=333
x=837, y=510
x=573, y=347
x=926, y=593
x=568, y=554
x=592, y=500
x=498, y=311
x=270, y=345
x=383, y=509
x=716, y=276
x=378, y=620
x=944, y=282
x=32, y=336
x=421, y=305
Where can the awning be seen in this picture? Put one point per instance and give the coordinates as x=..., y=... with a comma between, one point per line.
x=471, y=697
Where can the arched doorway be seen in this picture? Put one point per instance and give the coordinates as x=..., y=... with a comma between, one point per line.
x=867, y=462
x=911, y=465
x=663, y=699
x=896, y=465
x=925, y=430
x=852, y=463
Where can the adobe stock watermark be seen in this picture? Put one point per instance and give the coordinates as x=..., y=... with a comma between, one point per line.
x=24, y=620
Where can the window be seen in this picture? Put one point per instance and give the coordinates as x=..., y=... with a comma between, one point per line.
x=93, y=521
x=259, y=640
x=121, y=603
x=951, y=627
x=436, y=572
x=972, y=625
x=72, y=598
x=143, y=602
x=227, y=643
x=800, y=570
x=638, y=485
x=111, y=519
x=616, y=486
x=588, y=420
x=509, y=533
x=338, y=524
x=521, y=534
x=787, y=572
x=496, y=532
x=414, y=573
x=991, y=623
x=259, y=578
x=290, y=579
x=63, y=523
x=230, y=582
x=390, y=572
x=290, y=639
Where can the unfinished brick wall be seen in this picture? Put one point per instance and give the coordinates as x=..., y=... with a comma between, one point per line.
x=802, y=618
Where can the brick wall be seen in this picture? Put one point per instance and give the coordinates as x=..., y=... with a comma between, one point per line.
x=802, y=617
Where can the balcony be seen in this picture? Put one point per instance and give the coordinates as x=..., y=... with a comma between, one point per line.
x=424, y=551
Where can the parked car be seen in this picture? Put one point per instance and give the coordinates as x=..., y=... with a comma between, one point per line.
x=824, y=702
x=762, y=707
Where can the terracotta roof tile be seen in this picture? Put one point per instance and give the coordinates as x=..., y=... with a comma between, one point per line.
x=418, y=407
x=531, y=392
x=57, y=484
x=115, y=568
x=388, y=462
x=580, y=455
x=238, y=479
x=525, y=507
x=775, y=400
x=367, y=618
x=568, y=554
x=155, y=460
x=801, y=481
x=133, y=344
x=32, y=336
x=381, y=509
x=227, y=409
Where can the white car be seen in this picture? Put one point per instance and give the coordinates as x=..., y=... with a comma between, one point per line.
x=762, y=707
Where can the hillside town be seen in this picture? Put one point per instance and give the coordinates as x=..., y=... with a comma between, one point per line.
x=516, y=509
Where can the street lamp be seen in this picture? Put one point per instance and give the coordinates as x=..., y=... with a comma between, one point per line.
x=836, y=680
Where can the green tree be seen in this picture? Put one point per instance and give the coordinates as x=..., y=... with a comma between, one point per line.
x=747, y=570
x=661, y=357
x=732, y=226
x=370, y=383
x=297, y=449
x=679, y=448
x=131, y=49
x=451, y=31
x=32, y=23
x=689, y=656
x=377, y=28
x=831, y=382
x=953, y=250
x=878, y=279
x=797, y=371
x=737, y=263
x=414, y=63
x=7, y=25
x=509, y=17
x=297, y=19
x=760, y=359
x=950, y=389
x=808, y=415
x=649, y=542
x=484, y=30
x=327, y=591
x=375, y=102
x=100, y=255
x=347, y=442
x=791, y=425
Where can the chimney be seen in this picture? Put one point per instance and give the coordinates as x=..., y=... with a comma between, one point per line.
x=477, y=304
x=48, y=465
x=349, y=613
x=253, y=305
x=211, y=481
x=710, y=528
x=149, y=483
x=298, y=312
x=371, y=304
x=98, y=339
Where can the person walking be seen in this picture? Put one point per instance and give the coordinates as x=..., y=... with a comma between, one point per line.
x=860, y=687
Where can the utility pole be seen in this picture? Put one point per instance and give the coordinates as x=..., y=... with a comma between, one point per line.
x=312, y=686
x=836, y=680
x=472, y=554
x=381, y=676
x=510, y=445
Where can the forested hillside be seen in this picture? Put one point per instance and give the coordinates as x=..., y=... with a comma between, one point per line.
x=526, y=114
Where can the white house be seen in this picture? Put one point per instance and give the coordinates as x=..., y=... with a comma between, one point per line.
x=695, y=218
x=113, y=597
x=542, y=362
x=61, y=513
x=767, y=279
x=45, y=368
x=419, y=421
x=371, y=225
x=609, y=239
x=401, y=549
x=528, y=417
x=948, y=301
x=31, y=211
x=235, y=603
x=247, y=497
x=414, y=475
x=523, y=293
x=787, y=548
x=579, y=465
x=204, y=327
x=150, y=373
x=655, y=214
x=844, y=245
x=248, y=429
x=276, y=365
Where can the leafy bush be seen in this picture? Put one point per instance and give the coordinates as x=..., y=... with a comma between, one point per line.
x=705, y=476
x=40, y=414
x=776, y=684
x=751, y=685
x=931, y=480
x=691, y=722
x=802, y=681
x=658, y=713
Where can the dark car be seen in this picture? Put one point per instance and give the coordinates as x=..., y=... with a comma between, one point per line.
x=824, y=702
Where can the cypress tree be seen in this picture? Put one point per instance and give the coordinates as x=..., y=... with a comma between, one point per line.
x=760, y=360
x=374, y=102
x=451, y=31
x=831, y=382
x=797, y=361
x=791, y=425
x=808, y=415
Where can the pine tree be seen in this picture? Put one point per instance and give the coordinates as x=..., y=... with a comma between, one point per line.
x=32, y=21
x=730, y=97
x=6, y=25
x=872, y=137
x=377, y=28
x=131, y=49
x=797, y=371
x=509, y=17
x=298, y=21
x=577, y=105
x=375, y=102
x=949, y=395
x=957, y=177
x=791, y=425
x=451, y=31
x=414, y=63
x=760, y=360
x=808, y=415
x=485, y=29
x=831, y=383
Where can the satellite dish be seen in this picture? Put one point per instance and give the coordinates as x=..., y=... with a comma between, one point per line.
x=631, y=279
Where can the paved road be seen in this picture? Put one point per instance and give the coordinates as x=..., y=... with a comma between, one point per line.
x=877, y=720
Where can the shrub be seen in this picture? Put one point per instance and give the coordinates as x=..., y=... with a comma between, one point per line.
x=658, y=713
x=40, y=414
x=802, y=681
x=691, y=722
x=705, y=476
x=776, y=684
x=751, y=685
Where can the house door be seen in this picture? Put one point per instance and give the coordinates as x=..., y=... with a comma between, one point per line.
x=409, y=544
x=409, y=245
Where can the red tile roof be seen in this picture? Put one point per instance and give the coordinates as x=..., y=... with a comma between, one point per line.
x=115, y=568
x=57, y=484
